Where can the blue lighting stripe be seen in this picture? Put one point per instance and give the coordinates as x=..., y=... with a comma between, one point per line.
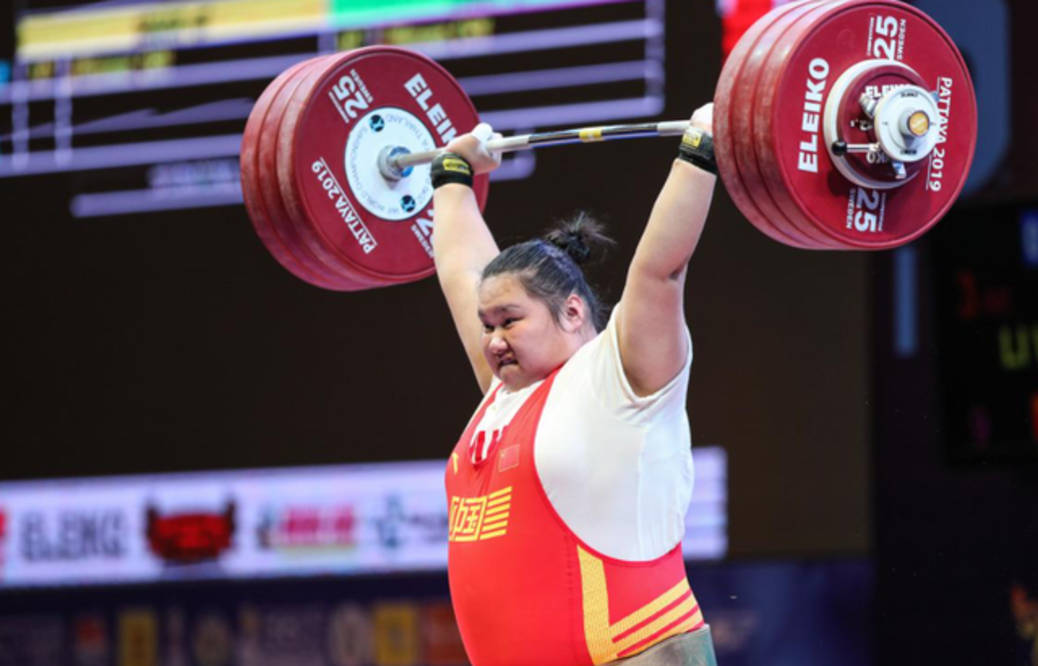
x=122, y=202
x=563, y=77
x=906, y=307
x=1029, y=238
x=120, y=155
x=227, y=109
x=539, y=40
x=574, y=114
x=147, y=201
x=224, y=71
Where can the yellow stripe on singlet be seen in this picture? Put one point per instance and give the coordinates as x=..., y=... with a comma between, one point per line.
x=605, y=640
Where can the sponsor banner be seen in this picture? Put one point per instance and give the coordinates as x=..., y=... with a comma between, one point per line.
x=355, y=519
x=390, y=517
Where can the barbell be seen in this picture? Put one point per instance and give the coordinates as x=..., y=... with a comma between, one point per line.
x=838, y=124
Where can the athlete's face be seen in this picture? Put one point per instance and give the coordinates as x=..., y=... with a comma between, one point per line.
x=522, y=340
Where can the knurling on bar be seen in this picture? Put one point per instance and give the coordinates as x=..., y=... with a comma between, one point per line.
x=393, y=164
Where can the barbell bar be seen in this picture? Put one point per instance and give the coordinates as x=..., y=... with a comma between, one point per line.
x=393, y=163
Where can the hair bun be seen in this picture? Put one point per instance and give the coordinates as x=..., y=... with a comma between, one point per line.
x=578, y=237
x=574, y=246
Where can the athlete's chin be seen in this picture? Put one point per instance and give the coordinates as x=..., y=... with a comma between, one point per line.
x=512, y=376
x=515, y=380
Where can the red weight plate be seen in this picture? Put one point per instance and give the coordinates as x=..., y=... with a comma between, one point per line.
x=329, y=142
x=764, y=96
x=745, y=94
x=768, y=99
x=728, y=164
x=296, y=235
x=810, y=58
x=252, y=190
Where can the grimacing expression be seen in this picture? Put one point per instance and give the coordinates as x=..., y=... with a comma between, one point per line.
x=522, y=340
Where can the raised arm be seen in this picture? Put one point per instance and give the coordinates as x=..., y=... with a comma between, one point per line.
x=651, y=318
x=463, y=245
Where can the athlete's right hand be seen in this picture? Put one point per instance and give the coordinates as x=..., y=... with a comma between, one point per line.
x=703, y=118
x=473, y=147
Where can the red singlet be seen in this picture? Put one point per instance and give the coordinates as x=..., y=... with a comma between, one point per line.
x=526, y=590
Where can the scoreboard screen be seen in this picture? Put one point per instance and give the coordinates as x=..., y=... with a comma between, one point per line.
x=145, y=102
x=986, y=262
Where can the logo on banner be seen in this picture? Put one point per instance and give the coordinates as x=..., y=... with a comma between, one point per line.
x=308, y=526
x=398, y=524
x=74, y=535
x=190, y=536
x=3, y=539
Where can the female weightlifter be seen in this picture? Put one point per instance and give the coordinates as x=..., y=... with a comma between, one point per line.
x=569, y=486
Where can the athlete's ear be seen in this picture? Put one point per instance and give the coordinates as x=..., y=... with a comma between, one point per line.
x=574, y=313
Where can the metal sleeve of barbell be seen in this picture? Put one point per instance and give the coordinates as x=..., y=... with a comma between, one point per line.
x=542, y=139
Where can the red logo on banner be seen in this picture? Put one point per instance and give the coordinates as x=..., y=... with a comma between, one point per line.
x=309, y=526
x=191, y=536
x=3, y=534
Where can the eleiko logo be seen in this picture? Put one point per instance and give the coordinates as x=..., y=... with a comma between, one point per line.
x=68, y=535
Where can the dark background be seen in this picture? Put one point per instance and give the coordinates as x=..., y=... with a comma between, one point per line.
x=173, y=341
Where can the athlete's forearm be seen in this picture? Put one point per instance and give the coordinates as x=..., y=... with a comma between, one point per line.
x=675, y=224
x=462, y=246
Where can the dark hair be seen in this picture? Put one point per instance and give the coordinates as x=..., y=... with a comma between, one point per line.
x=549, y=267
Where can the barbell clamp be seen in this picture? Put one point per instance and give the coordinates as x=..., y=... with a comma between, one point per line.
x=841, y=148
